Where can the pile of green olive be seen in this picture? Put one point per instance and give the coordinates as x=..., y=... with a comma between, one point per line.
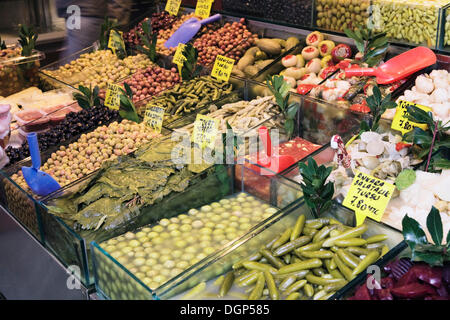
x=157, y=253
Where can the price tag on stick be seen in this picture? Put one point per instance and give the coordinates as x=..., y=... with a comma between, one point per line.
x=401, y=122
x=154, y=117
x=115, y=41
x=222, y=68
x=205, y=131
x=179, y=58
x=368, y=197
x=203, y=8
x=112, y=97
x=173, y=6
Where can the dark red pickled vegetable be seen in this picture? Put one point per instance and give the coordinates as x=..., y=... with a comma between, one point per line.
x=430, y=275
x=409, y=277
x=446, y=273
x=387, y=283
x=413, y=290
x=362, y=293
x=435, y=298
x=384, y=294
x=398, y=268
x=442, y=291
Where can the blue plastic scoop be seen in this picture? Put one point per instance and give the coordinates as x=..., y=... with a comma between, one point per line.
x=40, y=182
x=188, y=30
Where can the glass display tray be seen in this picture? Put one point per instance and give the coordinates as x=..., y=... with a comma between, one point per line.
x=18, y=73
x=27, y=208
x=260, y=235
x=292, y=188
x=114, y=281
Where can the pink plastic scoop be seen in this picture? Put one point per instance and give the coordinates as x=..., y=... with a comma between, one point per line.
x=398, y=67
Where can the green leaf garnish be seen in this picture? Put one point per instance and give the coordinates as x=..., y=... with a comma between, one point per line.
x=316, y=193
x=412, y=232
x=149, y=40
x=372, y=46
x=191, y=68
x=434, y=225
x=2, y=44
x=432, y=144
x=280, y=89
x=27, y=40
x=434, y=254
x=87, y=98
x=127, y=109
x=105, y=30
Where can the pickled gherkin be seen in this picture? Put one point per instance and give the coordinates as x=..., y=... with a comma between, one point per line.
x=314, y=270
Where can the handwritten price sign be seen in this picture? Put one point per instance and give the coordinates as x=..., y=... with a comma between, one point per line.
x=112, y=98
x=179, y=58
x=222, y=68
x=154, y=117
x=401, y=122
x=173, y=6
x=205, y=131
x=368, y=197
x=115, y=41
x=203, y=8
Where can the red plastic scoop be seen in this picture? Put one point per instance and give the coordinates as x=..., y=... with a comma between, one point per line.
x=274, y=162
x=398, y=67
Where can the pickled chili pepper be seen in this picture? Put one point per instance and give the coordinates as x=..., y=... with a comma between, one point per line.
x=360, y=107
x=340, y=52
x=401, y=145
x=304, y=89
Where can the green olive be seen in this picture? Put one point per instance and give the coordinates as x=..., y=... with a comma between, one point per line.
x=139, y=262
x=172, y=226
x=206, y=208
x=129, y=235
x=185, y=228
x=164, y=222
x=182, y=264
x=134, y=243
x=158, y=228
x=193, y=212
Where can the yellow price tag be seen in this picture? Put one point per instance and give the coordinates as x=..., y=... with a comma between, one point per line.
x=179, y=58
x=401, y=122
x=203, y=8
x=154, y=117
x=205, y=131
x=173, y=6
x=222, y=68
x=368, y=197
x=112, y=98
x=115, y=41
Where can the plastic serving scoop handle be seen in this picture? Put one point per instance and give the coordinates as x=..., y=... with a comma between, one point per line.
x=398, y=67
x=274, y=162
x=39, y=182
x=188, y=30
